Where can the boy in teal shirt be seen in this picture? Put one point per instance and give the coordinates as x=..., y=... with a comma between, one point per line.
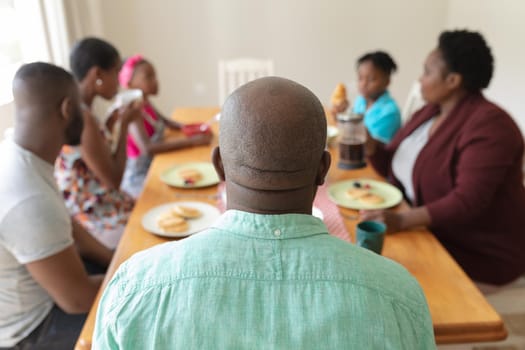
x=382, y=117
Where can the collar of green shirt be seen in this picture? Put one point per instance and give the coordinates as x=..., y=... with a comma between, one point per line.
x=283, y=226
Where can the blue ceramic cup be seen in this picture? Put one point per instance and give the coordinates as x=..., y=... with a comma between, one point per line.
x=370, y=235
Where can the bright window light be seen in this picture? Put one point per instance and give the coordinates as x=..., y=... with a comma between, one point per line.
x=10, y=49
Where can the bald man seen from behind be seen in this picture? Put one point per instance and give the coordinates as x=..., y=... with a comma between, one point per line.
x=45, y=290
x=266, y=275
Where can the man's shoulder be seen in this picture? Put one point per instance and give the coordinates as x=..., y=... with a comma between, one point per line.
x=21, y=171
x=28, y=193
x=155, y=259
x=331, y=259
x=35, y=210
x=368, y=270
x=152, y=261
x=350, y=275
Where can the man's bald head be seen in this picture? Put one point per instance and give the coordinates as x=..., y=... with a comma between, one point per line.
x=41, y=85
x=273, y=135
x=46, y=100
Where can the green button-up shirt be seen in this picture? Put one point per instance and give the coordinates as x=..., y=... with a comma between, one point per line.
x=262, y=282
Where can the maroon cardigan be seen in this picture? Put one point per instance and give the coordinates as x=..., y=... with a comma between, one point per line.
x=469, y=176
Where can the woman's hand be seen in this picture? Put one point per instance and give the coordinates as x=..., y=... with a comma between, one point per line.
x=392, y=219
x=131, y=112
x=397, y=221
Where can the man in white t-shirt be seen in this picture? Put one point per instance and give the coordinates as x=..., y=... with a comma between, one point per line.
x=45, y=290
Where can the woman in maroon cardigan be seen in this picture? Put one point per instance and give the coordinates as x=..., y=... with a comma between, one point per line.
x=459, y=162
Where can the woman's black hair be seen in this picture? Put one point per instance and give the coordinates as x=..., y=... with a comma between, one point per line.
x=381, y=60
x=467, y=54
x=92, y=52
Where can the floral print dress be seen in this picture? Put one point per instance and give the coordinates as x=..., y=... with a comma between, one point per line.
x=102, y=211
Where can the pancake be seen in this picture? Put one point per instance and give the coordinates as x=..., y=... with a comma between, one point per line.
x=186, y=212
x=356, y=193
x=371, y=199
x=169, y=222
x=184, y=226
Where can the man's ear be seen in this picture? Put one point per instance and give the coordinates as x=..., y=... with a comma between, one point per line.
x=66, y=108
x=217, y=163
x=324, y=165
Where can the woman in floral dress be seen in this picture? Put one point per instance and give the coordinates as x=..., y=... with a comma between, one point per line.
x=89, y=175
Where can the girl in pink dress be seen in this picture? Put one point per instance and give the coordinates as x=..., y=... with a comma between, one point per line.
x=145, y=136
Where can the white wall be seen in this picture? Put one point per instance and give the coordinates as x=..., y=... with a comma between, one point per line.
x=501, y=23
x=311, y=41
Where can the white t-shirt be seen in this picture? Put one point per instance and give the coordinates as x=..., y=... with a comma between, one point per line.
x=406, y=156
x=34, y=224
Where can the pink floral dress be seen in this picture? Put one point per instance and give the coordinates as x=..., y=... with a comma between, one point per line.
x=102, y=211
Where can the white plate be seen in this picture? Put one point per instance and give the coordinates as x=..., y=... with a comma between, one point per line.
x=337, y=193
x=209, y=175
x=209, y=215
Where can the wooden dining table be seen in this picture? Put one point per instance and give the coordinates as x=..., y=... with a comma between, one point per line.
x=460, y=313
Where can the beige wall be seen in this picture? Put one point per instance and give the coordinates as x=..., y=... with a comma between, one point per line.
x=501, y=22
x=313, y=42
x=6, y=118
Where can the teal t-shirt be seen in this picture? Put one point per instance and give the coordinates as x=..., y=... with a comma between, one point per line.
x=382, y=119
x=262, y=282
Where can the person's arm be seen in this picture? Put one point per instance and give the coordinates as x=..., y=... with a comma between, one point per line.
x=170, y=123
x=96, y=152
x=340, y=108
x=63, y=276
x=143, y=142
x=487, y=149
x=398, y=221
x=379, y=155
x=383, y=122
x=89, y=247
x=37, y=232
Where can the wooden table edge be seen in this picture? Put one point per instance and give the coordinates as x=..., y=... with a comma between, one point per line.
x=472, y=337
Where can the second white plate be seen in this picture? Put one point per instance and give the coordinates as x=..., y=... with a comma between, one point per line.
x=208, y=217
